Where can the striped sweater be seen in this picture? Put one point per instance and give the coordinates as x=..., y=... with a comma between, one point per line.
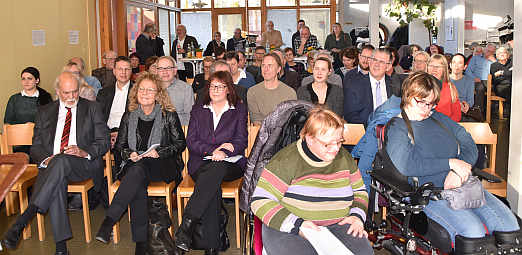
x=293, y=188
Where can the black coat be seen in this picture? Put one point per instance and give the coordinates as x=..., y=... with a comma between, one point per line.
x=106, y=96
x=171, y=146
x=145, y=48
x=212, y=46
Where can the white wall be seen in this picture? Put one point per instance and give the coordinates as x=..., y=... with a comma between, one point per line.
x=485, y=13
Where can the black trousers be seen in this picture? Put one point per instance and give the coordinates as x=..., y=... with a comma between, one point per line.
x=50, y=190
x=133, y=192
x=480, y=95
x=205, y=202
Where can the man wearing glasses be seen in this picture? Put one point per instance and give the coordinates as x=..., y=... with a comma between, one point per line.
x=180, y=93
x=236, y=43
x=104, y=74
x=364, y=63
x=363, y=94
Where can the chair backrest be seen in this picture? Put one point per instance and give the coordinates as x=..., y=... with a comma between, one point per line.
x=185, y=154
x=19, y=134
x=252, y=134
x=482, y=134
x=353, y=133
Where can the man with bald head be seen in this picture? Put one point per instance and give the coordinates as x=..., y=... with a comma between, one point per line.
x=104, y=74
x=69, y=141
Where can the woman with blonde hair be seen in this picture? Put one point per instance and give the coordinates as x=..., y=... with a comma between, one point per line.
x=86, y=91
x=449, y=103
x=150, y=141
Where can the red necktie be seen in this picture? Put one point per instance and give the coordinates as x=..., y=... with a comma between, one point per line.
x=66, y=130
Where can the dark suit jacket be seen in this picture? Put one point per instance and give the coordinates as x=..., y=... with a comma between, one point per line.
x=145, y=48
x=189, y=40
x=105, y=76
x=92, y=134
x=212, y=46
x=358, y=98
x=202, y=139
x=231, y=44
x=105, y=97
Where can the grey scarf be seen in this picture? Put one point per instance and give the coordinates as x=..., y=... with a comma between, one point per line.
x=155, y=133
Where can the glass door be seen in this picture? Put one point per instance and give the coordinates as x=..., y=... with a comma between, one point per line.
x=228, y=20
x=137, y=18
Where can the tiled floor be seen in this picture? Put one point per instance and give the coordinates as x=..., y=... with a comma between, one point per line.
x=77, y=245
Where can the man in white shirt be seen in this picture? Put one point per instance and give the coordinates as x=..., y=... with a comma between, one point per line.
x=70, y=139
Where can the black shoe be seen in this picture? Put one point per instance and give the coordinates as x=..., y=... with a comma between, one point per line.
x=12, y=237
x=211, y=251
x=61, y=253
x=104, y=234
x=184, y=233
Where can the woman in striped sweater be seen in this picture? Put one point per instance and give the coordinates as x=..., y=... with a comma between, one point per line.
x=310, y=183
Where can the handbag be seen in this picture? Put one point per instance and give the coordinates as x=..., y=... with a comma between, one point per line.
x=468, y=196
x=199, y=241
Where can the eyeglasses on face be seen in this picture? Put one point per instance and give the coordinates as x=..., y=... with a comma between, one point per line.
x=217, y=87
x=330, y=145
x=147, y=90
x=164, y=69
x=423, y=103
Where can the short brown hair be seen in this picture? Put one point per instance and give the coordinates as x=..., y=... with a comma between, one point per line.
x=162, y=97
x=419, y=84
x=319, y=121
x=324, y=59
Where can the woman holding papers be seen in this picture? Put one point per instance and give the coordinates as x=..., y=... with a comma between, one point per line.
x=216, y=140
x=311, y=196
x=150, y=142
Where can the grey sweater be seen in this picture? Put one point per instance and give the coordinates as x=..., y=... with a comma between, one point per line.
x=182, y=97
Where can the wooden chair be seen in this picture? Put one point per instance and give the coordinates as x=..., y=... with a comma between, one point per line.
x=353, y=133
x=229, y=189
x=490, y=96
x=482, y=134
x=20, y=134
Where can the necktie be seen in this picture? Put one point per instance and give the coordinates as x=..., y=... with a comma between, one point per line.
x=378, y=97
x=66, y=130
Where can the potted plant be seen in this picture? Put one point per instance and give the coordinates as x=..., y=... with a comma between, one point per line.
x=405, y=11
x=199, y=52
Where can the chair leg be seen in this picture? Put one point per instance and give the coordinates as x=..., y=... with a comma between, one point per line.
x=116, y=233
x=168, y=200
x=86, y=216
x=500, y=110
x=41, y=226
x=22, y=195
x=238, y=234
x=128, y=212
x=488, y=110
x=9, y=204
x=180, y=209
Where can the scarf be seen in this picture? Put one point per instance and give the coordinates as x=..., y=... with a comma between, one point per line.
x=155, y=133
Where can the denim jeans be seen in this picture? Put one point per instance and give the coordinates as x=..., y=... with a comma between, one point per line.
x=495, y=215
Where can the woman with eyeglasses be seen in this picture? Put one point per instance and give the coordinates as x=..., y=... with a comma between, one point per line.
x=216, y=140
x=440, y=151
x=150, y=142
x=320, y=91
x=449, y=103
x=312, y=184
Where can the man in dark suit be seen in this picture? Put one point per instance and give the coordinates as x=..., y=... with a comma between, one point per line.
x=149, y=44
x=363, y=66
x=236, y=43
x=179, y=50
x=69, y=141
x=363, y=94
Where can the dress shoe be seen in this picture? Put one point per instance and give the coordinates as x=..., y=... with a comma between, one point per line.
x=211, y=251
x=104, y=233
x=62, y=253
x=12, y=237
x=184, y=233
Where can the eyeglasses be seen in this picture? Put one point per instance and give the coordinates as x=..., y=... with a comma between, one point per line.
x=331, y=145
x=363, y=57
x=162, y=69
x=147, y=91
x=381, y=62
x=424, y=103
x=217, y=87
x=110, y=58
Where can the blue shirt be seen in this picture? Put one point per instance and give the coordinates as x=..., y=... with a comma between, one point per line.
x=478, y=67
x=466, y=89
x=93, y=82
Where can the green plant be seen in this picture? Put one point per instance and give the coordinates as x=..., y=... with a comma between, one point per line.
x=405, y=11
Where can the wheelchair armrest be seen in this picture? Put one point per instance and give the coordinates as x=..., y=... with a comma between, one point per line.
x=483, y=175
x=393, y=180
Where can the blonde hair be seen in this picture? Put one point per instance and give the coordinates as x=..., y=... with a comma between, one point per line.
x=319, y=121
x=419, y=84
x=162, y=97
x=445, y=75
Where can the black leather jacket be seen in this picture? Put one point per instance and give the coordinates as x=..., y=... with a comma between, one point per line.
x=172, y=139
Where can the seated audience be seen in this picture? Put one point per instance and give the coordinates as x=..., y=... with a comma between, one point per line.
x=292, y=192
x=265, y=96
x=91, y=80
x=337, y=41
x=86, y=91
x=305, y=42
x=242, y=60
x=464, y=84
x=151, y=119
x=310, y=58
x=255, y=68
x=349, y=60
x=217, y=66
x=180, y=93
x=201, y=79
x=292, y=65
x=333, y=78
x=449, y=103
x=151, y=65
x=501, y=72
x=237, y=42
x=239, y=76
x=271, y=38
x=395, y=77
x=23, y=106
x=300, y=25
x=219, y=53
x=364, y=93
x=395, y=64
x=288, y=77
x=479, y=68
x=62, y=157
x=363, y=60
x=442, y=153
x=214, y=44
x=420, y=61
x=434, y=49
x=320, y=91
x=217, y=130
x=135, y=65
x=406, y=61
x=105, y=74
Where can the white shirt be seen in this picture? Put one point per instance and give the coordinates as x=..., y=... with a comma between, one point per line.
x=217, y=117
x=35, y=94
x=118, y=106
x=384, y=96
x=62, y=113
x=242, y=75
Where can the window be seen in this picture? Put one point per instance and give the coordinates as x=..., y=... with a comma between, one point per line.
x=172, y=20
x=197, y=24
x=314, y=2
x=318, y=20
x=163, y=29
x=134, y=26
x=280, y=3
x=191, y=4
x=229, y=3
x=286, y=22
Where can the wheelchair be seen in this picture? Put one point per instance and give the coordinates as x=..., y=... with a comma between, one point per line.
x=405, y=229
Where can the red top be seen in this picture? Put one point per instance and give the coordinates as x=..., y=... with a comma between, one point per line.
x=445, y=105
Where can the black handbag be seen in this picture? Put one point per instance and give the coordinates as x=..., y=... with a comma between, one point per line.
x=198, y=236
x=160, y=241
